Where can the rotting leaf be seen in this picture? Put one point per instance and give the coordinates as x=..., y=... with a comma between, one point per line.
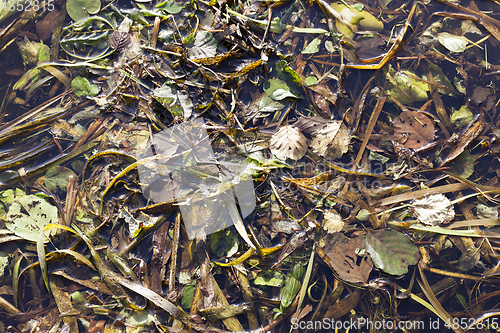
x=29, y=226
x=469, y=259
x=332, y=141
x=405, y=88
x=391, y=251
x=345, y=256
x=57, y=178
x=288, y=142
x=433, y=209
x=463, y=165
x=416, y=127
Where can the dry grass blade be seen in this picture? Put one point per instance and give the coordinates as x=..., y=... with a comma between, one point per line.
x=441, y=312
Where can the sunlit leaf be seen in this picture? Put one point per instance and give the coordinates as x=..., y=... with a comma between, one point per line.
x=332, y=221
x=270, y=279
x=38, y=214
x=204, y=46
x=391, y=251
x=176, y=101
x=461, y=117
x=453, y=43
x=288, y=142
x=82, y=87
x=332, y=141
x=405, y=88
x=170, y=6
x=310, y=80
x=434, y=209
x=312, y=47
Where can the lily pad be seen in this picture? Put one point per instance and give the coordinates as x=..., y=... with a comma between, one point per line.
x=28, y=215
x=80, y=9
x=391, y=251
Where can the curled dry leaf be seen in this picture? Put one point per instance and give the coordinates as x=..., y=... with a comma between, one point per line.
x=434, y=209
x=332, y=141
x=416, y=127
x=288, y=142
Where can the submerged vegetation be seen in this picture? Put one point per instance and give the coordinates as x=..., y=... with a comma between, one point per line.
x=368, y=132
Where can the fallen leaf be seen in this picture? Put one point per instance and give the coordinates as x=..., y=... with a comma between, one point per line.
x=347, y=257
x=453, y=43
x=416, y=127
x=332, y=221
x=332, y=141
x=391, y=251
x=405, y=88
x=433, y=209
x=288, y=142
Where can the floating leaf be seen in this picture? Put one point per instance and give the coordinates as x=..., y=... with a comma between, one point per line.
x=56, y=178
x=312, y=47
x=345, y=256
x=204, y=46
x=82, y=87
x=80, y=9
x=453, y=43
x=38, y=214
x=288, y=142
x=332, y=141
x=176, y=101
x=391, y=251
x=434, y=209
x=415, y=127
x=405, y=88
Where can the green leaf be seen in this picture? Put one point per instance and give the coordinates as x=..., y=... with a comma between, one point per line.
x=405, y=88
x=463, y=165
x=80, y=9
x=187, y=295
x=224, y=242
x=312, y=47
x=170, y=7
x=204, y=46
x=82, y=87
x=56, y=178
x=38, y=214
x=270, y=279
x=391, y=251
x=310, y=80
x=358, y=6
x=461, y=117
x=278, y=90
x=453, y=43
x=288, y=75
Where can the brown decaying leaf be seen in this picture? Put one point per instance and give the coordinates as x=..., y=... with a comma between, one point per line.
x=288, y=142
x=119, y=40
x=332, y=141
x=345, y=256
x=434, y=209
x=416, y=126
